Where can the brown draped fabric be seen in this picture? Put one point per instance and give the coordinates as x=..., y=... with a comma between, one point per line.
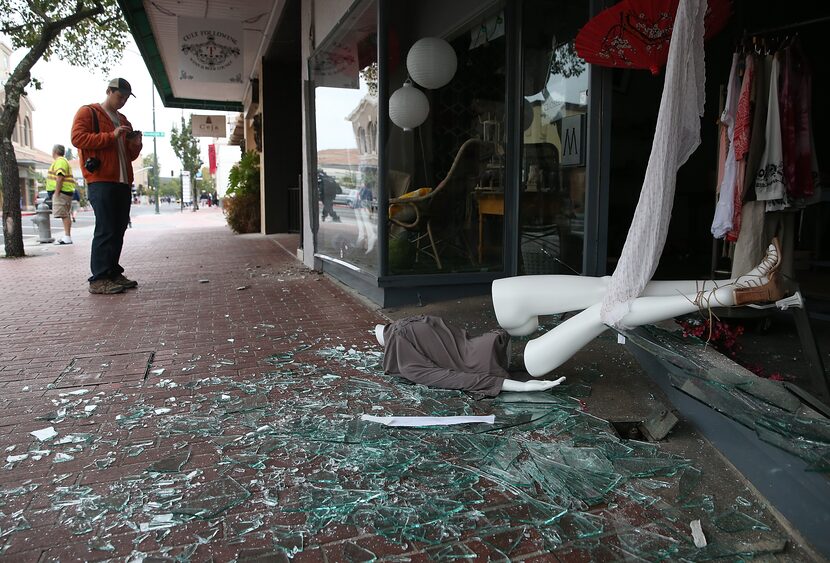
x=426, y=350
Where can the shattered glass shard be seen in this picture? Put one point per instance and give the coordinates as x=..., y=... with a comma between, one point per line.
x=212, y=498
x=704, y=502
x=689, y=480
x=239, y=526
x=650, y=467
x=172, y=463
x=736, y=521
x=353, y=553
x=288, y=540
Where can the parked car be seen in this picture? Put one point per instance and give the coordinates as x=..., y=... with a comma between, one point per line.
x=348, y=197
x=43, y=196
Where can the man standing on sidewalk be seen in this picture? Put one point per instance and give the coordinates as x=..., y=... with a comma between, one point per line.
x=61, y=187
x=108, y=145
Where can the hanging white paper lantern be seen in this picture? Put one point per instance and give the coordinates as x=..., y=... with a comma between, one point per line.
x=431, y=62
x=408, y=107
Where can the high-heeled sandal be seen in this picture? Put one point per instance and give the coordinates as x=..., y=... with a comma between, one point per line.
x=755, y=292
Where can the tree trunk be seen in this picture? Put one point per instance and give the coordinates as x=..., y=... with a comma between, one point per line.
x=194, y=190
x=12, y=221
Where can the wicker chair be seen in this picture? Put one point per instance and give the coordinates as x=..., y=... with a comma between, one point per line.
x=442, y=208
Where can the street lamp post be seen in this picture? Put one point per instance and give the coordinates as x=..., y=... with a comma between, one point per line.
x=155, y=154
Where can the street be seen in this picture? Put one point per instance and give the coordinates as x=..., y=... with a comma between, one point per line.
x=85, y=222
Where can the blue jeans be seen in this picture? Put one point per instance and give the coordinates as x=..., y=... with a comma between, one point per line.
x=111, y=203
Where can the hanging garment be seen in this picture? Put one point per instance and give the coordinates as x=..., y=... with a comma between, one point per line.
x=769, y=178
x=758, y=140
x=816, y=197
x=723, y=150
x=743, y=134
x=751, y=245
x=796, y=89
x=676, y=136
x=722, y=222
x=426, y=350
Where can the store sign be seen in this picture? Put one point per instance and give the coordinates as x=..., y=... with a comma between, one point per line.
x=208, y=125
x=573, y=140
x=210, y=50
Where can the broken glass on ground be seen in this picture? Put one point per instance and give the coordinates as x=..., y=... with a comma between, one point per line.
x=212, y=498
x=777, y=416
x=295, y=461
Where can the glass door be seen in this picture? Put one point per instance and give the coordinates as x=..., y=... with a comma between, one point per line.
x=553, y=156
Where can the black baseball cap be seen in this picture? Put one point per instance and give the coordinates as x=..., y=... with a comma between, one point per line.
x=122, y=86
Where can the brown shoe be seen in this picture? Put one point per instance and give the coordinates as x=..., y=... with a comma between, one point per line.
x=124, y=282
x=767, y=293
x=105, y=286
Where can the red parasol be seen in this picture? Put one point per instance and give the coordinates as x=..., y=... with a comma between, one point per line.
x=636, y=33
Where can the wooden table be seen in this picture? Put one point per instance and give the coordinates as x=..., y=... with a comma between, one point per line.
x=535, y=208
x=489, y=203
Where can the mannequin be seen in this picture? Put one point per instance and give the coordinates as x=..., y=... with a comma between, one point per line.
x=426, y=350
x=519, y=301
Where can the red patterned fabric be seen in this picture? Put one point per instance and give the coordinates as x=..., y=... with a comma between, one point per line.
x=743, y=134
x=636, y=33
x=795, y=100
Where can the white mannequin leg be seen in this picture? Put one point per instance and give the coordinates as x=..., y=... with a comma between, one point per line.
x=549, y=351
x=519, y=301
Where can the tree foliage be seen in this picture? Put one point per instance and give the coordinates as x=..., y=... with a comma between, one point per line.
x=152, y=173
x=242, y=202
x=90, y=34
x=85, y=33
x=208, y=180
x=243, y=177
x=187, y=150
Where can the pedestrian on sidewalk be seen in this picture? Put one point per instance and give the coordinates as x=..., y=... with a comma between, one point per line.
x=60, y=184
x=108, y=145
x=329, y=189
x=76, y=203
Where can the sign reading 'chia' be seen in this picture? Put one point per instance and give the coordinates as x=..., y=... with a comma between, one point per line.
x=210, y=50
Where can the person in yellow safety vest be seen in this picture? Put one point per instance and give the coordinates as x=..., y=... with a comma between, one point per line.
x=61, y=186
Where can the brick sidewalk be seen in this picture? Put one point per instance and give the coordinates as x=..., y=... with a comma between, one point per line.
x=59, y=341
x=218, y=420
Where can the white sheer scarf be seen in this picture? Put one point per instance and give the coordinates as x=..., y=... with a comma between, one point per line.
x=676, y=137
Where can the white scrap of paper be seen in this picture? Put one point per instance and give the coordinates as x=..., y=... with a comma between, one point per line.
x=697, y=534
x=427, y=420
x=44, y=433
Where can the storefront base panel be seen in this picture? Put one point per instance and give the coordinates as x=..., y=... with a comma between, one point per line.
x=406, y=290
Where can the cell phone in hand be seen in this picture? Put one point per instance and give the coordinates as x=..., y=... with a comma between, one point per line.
x=133, y=134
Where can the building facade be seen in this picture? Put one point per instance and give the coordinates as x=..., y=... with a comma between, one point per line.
x=32, y=163
x=529, y=160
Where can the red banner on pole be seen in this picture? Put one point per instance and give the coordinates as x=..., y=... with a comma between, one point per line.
x=212, y=159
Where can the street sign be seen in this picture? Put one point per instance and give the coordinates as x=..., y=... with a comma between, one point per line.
x=154, y=133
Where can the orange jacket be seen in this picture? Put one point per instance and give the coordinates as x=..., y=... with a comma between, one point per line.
x=102, y=145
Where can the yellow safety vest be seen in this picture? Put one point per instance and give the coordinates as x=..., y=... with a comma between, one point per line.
x=60, y=167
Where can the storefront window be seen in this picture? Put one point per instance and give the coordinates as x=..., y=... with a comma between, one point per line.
x=555, y=106
x=453, y=164
x=344, y=74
